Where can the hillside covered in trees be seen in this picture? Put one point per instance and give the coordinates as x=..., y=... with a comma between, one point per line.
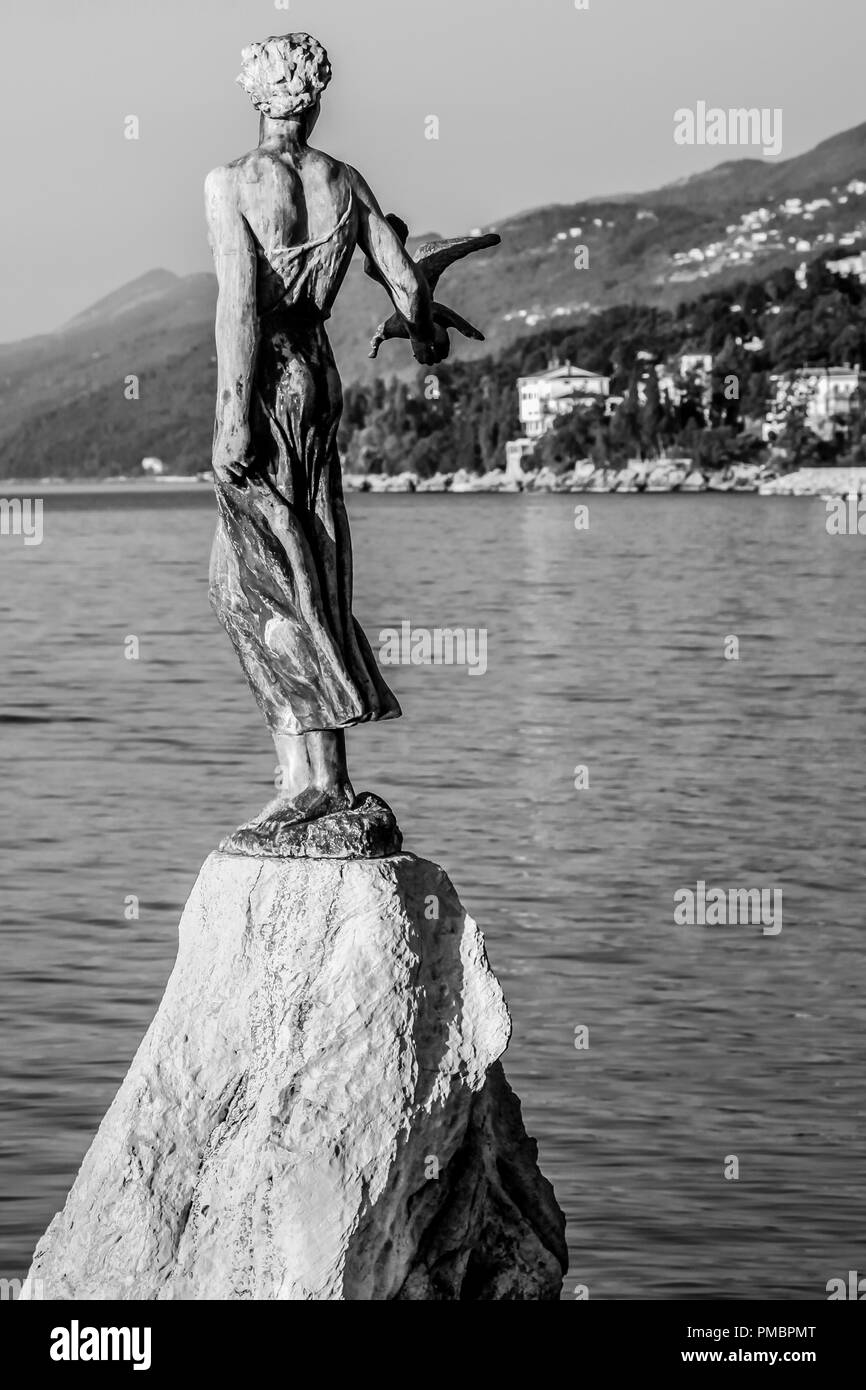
x=462, y=415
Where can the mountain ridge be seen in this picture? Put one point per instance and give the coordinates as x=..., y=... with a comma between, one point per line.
x=742, y=220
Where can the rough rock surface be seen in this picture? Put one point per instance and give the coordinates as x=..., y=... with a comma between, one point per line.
x=367, y=829
x=317, y=1110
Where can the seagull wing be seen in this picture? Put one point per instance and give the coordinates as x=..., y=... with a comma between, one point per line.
x=435, y=256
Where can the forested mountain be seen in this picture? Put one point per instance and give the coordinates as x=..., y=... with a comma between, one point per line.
x=660, y=272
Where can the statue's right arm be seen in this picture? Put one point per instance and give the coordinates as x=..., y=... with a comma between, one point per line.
x=237, y=327
x=378, y=240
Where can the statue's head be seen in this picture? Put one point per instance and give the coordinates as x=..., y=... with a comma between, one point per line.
x=286, y=75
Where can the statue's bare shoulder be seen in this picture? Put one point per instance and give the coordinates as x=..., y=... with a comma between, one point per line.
x=264, y=185
x=224, y=204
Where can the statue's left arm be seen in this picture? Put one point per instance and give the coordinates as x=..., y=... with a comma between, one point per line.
x=237, y=325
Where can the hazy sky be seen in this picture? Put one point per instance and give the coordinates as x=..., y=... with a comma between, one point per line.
x=538, y=102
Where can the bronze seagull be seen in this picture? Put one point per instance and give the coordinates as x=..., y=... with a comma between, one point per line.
x=432, y=259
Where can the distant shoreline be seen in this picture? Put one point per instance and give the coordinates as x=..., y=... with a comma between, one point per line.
x=654, y=480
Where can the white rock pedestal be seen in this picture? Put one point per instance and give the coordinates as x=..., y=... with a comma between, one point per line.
x=317, y=1110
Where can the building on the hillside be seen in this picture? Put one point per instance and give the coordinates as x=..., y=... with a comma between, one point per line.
x=672, y=376
x=850, y=265
x=544, y=397
x=699, y=366
x=826, y=392
x=516, y=450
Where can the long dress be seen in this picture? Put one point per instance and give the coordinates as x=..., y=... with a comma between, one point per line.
x=281, y=566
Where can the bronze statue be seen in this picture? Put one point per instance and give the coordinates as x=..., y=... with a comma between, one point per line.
x=284, y=221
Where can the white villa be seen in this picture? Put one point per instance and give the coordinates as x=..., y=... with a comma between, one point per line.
x=546, y=396
x=826, y=391
x=556, y=392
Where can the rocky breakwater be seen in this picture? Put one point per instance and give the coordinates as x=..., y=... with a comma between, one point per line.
x=318, y=1110
x=665, y=475
x=818, y=482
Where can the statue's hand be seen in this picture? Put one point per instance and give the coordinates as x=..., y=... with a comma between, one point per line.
x=429, y=351
x=233, y=456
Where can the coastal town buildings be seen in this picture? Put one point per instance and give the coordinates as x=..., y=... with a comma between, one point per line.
x=850, y=265
x=797, y=225
x=676, y=378
x=691, y=366
x=545, y=396
x=827, y=393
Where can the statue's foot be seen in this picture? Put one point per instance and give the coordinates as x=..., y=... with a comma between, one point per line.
x=320, y=824
x=310, y=804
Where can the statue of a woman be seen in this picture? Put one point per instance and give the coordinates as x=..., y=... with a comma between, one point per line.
x=284, y=221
